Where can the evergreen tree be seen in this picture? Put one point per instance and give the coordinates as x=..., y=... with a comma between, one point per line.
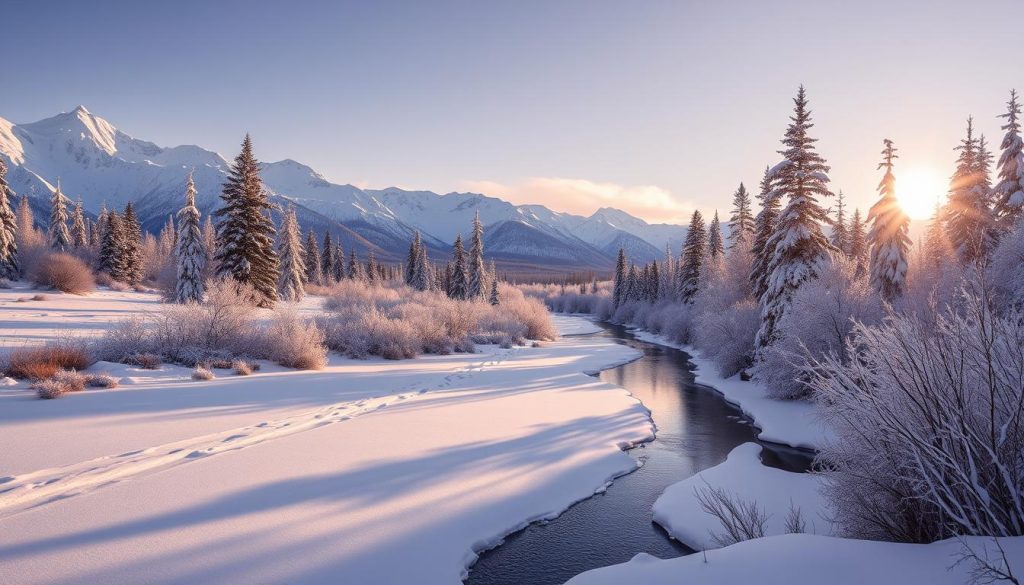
x=619, y=283
x=328, y=258
x=741, y=222
x=79, y=234
x=840, y=233
x=412, y=259
x=421, y=267
x=716, y=248
x=210, y=244
x=290, y=285
x=968, y=216
x=112, y=248
x=314, y=274
x=245, y=232
x=634, y=291
x=132, y=245
x=459, y=289
x=372, y=270
x=355, y=269
x=654, y=283
x=339, y=264
x=1009, y=192
x=764, y=227
x=936, y=244
x=858, y=242
x=9, y=266
x=694, y=250
x=476, y=269
x=888, y=237
x=59, y=236
x=493, y=298
x=799, y=248
x=191, y=250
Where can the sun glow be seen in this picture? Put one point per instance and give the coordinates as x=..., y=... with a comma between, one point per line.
x=918, y=189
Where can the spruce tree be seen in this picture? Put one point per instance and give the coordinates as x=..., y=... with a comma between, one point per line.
x=210, y=244
x=290, y=285
x=493, y=299
x=79, y=234
x=411, y=259
x=372, y=271
x=339, y=264
x=888, y=237
x=328, y=258
x=764, y=227
x=314, y=273
x=112, y=248
x=58, y=234
x=459, y=289
x=132, y=245
x=716, y=249
x=799, y=249
x=741, y=222
x=245, y=232
x=858, y=242
x=936, y=243
x=968, y=217
x=476, y=268
x=1009, y=192
x=694, y=250
x=191, y=250
x=9, y=266
x=421, y=278
x=619, y=283
x=840, y=232
x=355, y=269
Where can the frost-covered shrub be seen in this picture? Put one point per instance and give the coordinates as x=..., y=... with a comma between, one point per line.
x=241, y=368
x=59, y=384
x=727, y=336
x=101, y=381
x=202, y=373
x=40, y=363
x=819, y=321
x=583, y=298
x=294, y=342
x=146, y=361
x=929, y=425
x=1006, y=269
x=63, y=272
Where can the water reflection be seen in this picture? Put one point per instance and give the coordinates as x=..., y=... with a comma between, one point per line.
x=697, y=429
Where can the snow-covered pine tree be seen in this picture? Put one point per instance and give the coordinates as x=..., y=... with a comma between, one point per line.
x=372, y=272
x=132, y=246
x=888, y=237
x=58, y=234
x=355, y=269
x=619, y=282
x=191, y=250
x=94, y=233
x=634, y=290
x=936, y=250
x=314, y=274
x=858, y=243
x=328, y=257
x=764, y=227
x=741, y=222
x=1009, y=192
x=475, y=270
x=694, y=250
x=968, y=217
x=112, y=247
x=9, y=266
x=339, y=265
x=290, y=285
x=245, y=231
x=79, y=234
x=459, y=289
x=800, y=251
x=654, y=283
x=411, y=259
x=494, y=299
x=421, y=274
x=716, y=248
x=840, y=232
x=210, y=243
x=167, y=243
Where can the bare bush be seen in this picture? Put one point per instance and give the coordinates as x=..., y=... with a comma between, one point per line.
x=146, y=361
x=929, y=425
x=295, y=342
x=795, y=523
x=101, y=381
x=40, y=363
x=202, y=373
x=241, y=368
x=741, y=520
x=985, y=566
x=63, y=272
x=60, y=383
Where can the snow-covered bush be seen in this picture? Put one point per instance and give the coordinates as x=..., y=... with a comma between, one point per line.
x=63, y=272
x=581, y=298
x=59, y=384
x=241, y=368
x=1006, y=269
x=101, y=381
x=819, y=322
x=929, y=425
x=294, y=342
x=41, y=363
x=727, y=336
x=741, y=519
x=201, y=373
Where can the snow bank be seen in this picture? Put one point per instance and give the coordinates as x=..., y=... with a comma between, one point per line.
x=788, y=422
x=743, y=476
x=806, y=558
x=369, y=471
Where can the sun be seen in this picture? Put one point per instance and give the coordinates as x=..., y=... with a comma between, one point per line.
x=918, y=189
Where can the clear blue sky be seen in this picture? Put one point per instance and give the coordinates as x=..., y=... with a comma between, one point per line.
x=655, y=106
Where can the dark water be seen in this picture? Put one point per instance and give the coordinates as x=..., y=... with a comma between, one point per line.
x=697, y=429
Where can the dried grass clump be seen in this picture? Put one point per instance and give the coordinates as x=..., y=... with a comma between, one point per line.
x=202, y=373
x=62, y=382
x=101, y=381
x=241, y=368
x=41, y=363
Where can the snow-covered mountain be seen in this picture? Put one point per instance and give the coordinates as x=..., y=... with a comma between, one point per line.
x=99, y=164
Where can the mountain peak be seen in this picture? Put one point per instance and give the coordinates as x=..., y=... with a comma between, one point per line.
x=80, y=109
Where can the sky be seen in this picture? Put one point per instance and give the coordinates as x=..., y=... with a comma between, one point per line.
x=657, y=108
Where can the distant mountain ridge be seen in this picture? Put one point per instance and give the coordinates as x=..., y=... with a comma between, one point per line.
x=99, y=164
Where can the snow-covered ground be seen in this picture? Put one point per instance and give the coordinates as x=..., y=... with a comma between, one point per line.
x=370, y=471
x=575, y=324
x=788, y=422
x=806, y=558
x=743, y=476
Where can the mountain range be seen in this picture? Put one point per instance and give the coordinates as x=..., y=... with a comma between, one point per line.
x=100, y=165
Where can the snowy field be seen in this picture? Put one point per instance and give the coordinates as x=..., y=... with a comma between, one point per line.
x=370, y=471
